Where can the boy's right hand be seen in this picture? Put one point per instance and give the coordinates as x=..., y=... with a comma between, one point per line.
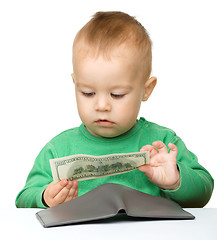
x=60, y=192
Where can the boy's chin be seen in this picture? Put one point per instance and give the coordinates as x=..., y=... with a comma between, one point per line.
x=105, y=133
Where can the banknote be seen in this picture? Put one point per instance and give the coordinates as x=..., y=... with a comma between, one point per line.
x=83, y=167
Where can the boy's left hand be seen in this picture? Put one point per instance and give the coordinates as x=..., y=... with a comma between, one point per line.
x=162, y=169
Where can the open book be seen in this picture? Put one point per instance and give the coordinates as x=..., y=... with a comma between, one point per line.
x=109, y=200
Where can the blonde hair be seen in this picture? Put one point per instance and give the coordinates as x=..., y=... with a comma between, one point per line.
x=108, y=30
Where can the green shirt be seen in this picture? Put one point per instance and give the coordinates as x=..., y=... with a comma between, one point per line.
x=196, y=183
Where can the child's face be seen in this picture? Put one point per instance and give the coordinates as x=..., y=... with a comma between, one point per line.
x=109, y=93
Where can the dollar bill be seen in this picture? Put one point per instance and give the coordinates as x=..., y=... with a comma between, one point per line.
x=83, y=167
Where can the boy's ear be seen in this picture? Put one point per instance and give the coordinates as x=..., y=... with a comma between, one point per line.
x=149, y=87
x=73, y=77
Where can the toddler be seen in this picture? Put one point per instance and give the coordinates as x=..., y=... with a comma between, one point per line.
x=112, y=61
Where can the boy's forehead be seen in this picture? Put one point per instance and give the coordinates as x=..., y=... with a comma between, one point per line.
x=116, y=60
x=83, y=50
x=116, y=66
x=121, y=59
x=106, y=76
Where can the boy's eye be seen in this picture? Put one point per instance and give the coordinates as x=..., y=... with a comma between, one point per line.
x=117, y=95
x=87, y=94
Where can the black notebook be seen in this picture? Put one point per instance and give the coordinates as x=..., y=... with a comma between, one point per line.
x=109, y=200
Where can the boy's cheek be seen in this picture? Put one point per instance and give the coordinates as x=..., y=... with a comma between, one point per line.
x=128, y=110
x=83, y=105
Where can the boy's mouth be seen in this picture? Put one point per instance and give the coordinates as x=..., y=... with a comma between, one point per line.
x=104, y=123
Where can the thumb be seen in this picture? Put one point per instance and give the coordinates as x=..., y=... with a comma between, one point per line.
x=147, y=170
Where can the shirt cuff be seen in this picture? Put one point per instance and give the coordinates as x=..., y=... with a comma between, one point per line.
x=39, y=198
x=182, y=194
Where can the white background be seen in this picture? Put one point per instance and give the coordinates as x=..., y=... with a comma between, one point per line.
x=37, y=94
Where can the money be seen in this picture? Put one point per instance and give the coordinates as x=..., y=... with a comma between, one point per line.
x=83, y=167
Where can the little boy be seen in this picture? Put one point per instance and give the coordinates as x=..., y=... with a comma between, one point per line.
x=112, y=65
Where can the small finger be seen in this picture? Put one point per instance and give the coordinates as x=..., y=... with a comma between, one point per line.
x=162, y=148
x=173, y=149
x=73, y=193
x=72, y=189
x=76, y=194
x=76, y=188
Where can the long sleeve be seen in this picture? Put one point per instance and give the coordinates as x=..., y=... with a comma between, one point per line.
x=196, y=184
x=38, y=179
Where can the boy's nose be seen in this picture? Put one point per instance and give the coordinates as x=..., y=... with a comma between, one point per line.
x=102, y=104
